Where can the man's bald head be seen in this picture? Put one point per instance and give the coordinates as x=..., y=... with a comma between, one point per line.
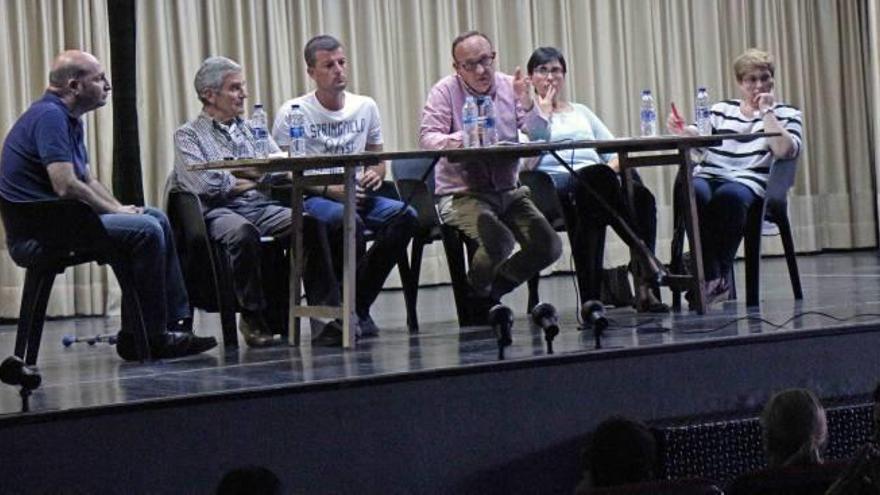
x=71, y=65
x=79, y=80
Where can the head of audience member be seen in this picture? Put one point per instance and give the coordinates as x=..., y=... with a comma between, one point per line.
x=473, y=59
x=221, y=88
x=326, y=64
x=754, y=71
x=249, y=480
x=547, y=69
x=795, y=430
x=79, y=80
x=620, y=451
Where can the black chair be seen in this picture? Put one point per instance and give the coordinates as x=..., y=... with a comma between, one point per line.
x=63, y=233
x=207, y=272
x=281, y=192
x=415, y=182
x=774, y=208
x=208, y=281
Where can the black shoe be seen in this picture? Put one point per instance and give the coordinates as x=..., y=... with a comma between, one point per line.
x=178, y=344
x=255, y=330
x=367, y=327
x=330, y=335
x=126, y=346
x=167, y=345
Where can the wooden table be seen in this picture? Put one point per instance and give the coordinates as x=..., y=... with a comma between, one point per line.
x=665, y=150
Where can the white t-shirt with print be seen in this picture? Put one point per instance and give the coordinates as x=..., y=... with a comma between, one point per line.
x=332, y=132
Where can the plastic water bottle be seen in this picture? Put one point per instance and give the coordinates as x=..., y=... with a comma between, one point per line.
x=701, y=112
x=470, y=132
x=648, y=114
x=488, y=131
x=259, y=126
x=296, y=124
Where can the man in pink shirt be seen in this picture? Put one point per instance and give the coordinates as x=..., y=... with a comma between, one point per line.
x=483, y=199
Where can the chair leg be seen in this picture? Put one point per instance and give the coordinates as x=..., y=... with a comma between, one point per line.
x=130, y=298
x=752, y=238
x=409, y=291
x=37, y=287
x=790, y=257
x=456, y=262
x=676, y=263
x=415, y=272
x=230, y=329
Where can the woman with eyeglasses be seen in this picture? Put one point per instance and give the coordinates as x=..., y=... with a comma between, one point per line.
x=585, y=221
x=734, y=174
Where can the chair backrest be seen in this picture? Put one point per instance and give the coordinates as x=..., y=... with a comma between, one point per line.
x=544, y=195
x=782, y=175
x=408, y=174
x=194, y=249
x=61, y=226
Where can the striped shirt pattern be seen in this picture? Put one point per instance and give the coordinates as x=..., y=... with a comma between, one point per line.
x=746, y=162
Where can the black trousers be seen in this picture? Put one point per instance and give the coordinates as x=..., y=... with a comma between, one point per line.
x=586, y=221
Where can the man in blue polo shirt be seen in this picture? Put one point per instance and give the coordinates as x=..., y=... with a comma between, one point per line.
x=44, y=157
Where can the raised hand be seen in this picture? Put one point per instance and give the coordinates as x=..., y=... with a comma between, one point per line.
x=674, y=122
x=522, y=88
x=764, y=101
x=547, y=102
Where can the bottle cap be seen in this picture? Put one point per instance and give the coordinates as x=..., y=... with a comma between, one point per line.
x=646, y=91
x=295, y=105
x=258, y=105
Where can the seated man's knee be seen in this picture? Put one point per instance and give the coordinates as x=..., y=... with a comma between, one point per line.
x=545, y=243
x=497, y=240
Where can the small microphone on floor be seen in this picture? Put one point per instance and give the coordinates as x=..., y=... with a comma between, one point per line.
x=544, y=315
x=593, y=314
x=501, y=319
x=68, y=339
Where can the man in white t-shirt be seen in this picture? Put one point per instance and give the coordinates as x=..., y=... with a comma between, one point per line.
x=339, y=122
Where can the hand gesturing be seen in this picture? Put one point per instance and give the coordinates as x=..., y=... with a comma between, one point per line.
x=522, y=88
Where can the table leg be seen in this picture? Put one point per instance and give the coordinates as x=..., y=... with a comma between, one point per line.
x=296, y=257
x=349, y=260
x=692, y=226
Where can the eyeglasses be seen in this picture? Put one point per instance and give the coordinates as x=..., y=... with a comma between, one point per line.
x=753, y=80
x=555, y=71
x=485, y=62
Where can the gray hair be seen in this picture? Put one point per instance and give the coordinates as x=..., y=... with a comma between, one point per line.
x=212, y=73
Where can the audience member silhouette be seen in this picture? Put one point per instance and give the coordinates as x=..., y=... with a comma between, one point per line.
x=795, y=431
x=249, y=480
x=620, y=451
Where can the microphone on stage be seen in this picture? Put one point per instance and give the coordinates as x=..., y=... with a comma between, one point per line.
x=501, y=319
x=544, y=315
x=14, y=372
x=593, y=314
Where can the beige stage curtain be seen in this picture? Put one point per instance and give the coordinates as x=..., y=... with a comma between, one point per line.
x=32, y=32
x=874, y=48
x=398, y=48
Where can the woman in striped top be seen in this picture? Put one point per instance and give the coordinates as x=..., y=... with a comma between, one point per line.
x=734, y=175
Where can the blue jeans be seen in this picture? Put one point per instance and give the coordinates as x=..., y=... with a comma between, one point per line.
x=391, y=226
x=147, y=244
x=722, y=206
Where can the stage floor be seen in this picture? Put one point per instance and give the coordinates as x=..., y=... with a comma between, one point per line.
x=840, y=290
